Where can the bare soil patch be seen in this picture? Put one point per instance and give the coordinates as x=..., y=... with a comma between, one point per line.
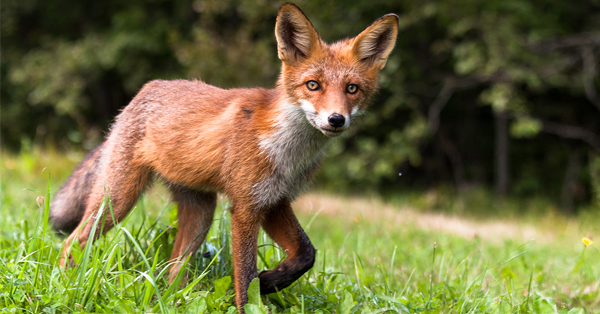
x=357, y=208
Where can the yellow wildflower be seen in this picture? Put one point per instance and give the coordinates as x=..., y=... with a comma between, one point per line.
x=587, y=241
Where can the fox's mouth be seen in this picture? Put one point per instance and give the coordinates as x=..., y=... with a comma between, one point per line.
x=325, y=130
x=332, y=133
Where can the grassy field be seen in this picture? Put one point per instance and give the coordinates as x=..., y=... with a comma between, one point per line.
x=373, y=257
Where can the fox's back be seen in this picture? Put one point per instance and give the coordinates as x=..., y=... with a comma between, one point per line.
x=194, y=133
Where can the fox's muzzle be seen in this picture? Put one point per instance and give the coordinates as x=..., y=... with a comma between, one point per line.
x=336, y=120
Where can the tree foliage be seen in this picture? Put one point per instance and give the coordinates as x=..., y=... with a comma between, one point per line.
x=502, y=92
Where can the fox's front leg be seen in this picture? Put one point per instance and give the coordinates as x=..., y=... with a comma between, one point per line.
x=245, y=222
x=281, y=225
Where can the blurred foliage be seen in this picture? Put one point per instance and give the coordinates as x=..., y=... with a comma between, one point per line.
x=68, y=67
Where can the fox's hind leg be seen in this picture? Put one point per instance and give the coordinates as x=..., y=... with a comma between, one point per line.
x=195, y=213
x=124, y=181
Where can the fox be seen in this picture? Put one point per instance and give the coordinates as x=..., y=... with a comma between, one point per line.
x=259, y=147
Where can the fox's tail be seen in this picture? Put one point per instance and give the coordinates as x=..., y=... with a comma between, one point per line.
x=68, y=206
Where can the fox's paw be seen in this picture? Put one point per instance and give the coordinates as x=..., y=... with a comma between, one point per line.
x=275, y=280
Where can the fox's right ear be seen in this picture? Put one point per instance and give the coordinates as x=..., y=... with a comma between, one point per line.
x=296, y=37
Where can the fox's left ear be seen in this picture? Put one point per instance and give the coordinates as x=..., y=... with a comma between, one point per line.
x=374, y=44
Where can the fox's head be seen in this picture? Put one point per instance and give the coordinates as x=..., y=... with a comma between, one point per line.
x=331, y=83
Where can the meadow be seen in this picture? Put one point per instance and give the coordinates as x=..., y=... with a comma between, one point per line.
x=399, y=255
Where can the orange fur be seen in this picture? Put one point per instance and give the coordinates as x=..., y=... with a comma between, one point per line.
x=258, y=146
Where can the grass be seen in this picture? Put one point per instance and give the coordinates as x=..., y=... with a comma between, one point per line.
x=373, y=257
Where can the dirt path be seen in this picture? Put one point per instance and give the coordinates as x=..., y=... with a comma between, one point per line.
x=373, y=209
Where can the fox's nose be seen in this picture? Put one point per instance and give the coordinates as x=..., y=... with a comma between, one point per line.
x=336, y=120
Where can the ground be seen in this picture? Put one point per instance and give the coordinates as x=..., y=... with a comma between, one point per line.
x=396, y=255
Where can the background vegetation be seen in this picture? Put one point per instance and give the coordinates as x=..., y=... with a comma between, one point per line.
x=499, y=94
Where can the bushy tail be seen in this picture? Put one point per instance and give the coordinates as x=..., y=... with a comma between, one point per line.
x=68, y=206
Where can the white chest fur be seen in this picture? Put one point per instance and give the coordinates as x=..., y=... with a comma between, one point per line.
x=295, y=149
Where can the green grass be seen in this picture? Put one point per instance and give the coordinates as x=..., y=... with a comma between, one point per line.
x=370, y=265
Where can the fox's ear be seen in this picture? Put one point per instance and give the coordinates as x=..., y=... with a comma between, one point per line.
x=296, y=37
x=374, y=44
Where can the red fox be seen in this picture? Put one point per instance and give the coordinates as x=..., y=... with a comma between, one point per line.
x=260, y=147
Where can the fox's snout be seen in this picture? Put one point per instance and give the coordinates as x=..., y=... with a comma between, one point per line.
x=331, y=123
x=336, y=120
x=337, y=124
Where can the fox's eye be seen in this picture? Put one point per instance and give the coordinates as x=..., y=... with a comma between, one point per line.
x=312, y=85
x=352, y=88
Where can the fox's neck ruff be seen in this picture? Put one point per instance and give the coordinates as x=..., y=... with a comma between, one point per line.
x=294, y=149
x=295, y=142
